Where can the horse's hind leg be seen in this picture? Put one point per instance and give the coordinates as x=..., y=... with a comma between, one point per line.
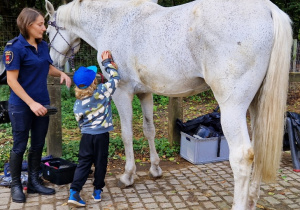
x=254, y=190
x=123, y=102
x=233, y=118
x=149, y=132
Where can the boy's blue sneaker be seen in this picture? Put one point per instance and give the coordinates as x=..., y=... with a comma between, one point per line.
x=75, y=198
x=97, y=195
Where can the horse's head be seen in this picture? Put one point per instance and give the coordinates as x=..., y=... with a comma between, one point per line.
x=64, y=44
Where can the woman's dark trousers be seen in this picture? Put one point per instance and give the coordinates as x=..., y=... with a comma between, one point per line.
x=23, y=120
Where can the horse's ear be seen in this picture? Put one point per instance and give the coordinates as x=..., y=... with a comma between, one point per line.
x=49, y=8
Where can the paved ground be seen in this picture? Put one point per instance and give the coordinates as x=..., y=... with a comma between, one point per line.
x=208, y=186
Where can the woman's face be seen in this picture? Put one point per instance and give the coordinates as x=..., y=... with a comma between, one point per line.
x=37, y=28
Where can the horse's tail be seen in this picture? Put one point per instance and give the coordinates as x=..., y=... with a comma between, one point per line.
x=270, y=101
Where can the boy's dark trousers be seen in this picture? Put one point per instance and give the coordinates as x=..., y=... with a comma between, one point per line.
x=92, y=149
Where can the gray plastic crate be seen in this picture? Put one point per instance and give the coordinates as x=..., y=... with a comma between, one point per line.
x=200, y=151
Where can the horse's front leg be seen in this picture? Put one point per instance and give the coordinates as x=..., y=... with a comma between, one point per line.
x=233, y=118
x=146, y=100
x=123, y=102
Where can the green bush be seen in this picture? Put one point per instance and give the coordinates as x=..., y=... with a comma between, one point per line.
x=160, y=100
x=4, y=153
x=67, y=114
x=5, y=149
x=67, y=102
x=70, y=150
x=164, y=148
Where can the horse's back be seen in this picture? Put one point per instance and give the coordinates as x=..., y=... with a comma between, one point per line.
x=176, y=47
x=234, y=42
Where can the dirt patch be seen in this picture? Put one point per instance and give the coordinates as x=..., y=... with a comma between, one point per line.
x=117, y=166
x=293, y=102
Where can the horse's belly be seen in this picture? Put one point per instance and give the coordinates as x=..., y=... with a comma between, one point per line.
x=176, y=88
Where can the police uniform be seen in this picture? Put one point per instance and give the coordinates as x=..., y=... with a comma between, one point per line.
x=33, y=66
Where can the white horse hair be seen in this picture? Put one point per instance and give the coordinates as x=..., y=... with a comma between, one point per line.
x=238, y=48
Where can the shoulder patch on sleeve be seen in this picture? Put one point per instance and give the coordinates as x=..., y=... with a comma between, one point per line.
x=10, y=42
x=9, y=56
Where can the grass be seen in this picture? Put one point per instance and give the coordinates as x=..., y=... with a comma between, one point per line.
x=70, y=147
x=4, y=90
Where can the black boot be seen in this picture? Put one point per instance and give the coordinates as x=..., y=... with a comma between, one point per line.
x=15, y=165
x=34, y=185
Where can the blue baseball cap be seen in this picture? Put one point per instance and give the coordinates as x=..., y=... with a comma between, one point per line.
x=84, y=76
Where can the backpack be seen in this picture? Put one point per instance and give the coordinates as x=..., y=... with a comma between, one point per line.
x=4, y=116
x=2, y=74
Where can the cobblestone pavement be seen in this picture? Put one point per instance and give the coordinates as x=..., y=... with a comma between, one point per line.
x=208, y=186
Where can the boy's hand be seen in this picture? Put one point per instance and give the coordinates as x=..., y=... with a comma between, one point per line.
x=107, y=55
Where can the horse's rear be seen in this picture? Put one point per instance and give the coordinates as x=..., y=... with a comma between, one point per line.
x=246, y=47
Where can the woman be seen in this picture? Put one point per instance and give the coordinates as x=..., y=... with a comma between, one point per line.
x=28, y=64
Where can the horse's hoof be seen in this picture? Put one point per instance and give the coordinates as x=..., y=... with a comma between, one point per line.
x=154, y=177
x=121, y=184
x=155, y=172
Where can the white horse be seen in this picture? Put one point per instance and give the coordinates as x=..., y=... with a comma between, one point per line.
x=239, y=48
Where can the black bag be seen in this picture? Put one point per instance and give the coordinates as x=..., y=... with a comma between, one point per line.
x=205, y=126
x=4, y=117
x=295, y=135
x=3, y=80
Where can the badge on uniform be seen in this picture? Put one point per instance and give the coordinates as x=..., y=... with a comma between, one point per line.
x=9, y=56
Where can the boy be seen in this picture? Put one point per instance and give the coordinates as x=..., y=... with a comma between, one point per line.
x=93, y=112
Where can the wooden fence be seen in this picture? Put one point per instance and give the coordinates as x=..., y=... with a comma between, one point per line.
x=295, y=62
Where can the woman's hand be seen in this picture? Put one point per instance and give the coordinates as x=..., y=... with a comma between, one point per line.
x=38, y=109
x=57, y=73
x=64, y=77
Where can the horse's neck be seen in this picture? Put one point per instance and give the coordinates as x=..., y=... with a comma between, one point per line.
x=95, y=17
x=83, y=15
x=84, y=35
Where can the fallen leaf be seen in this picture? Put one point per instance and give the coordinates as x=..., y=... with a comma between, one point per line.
x=260, y=206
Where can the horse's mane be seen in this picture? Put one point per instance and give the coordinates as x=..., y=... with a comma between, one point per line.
x=68, y=13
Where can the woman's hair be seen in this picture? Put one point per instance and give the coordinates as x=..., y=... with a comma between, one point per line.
x=25, y=19
x=87, y=92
